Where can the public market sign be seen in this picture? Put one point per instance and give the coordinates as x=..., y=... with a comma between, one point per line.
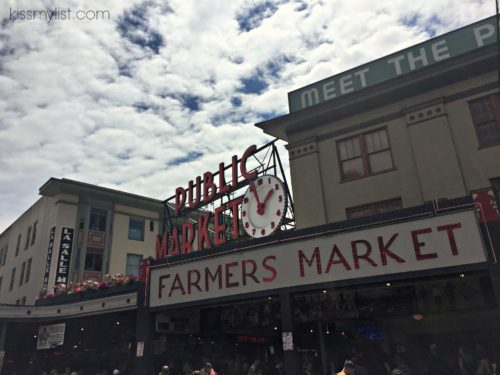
x=452, y=44
x=194, y=237
x=431, y=243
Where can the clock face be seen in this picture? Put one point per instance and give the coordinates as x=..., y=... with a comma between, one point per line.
x=264, y=206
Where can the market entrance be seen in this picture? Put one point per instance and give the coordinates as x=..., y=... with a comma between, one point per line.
x=229, y=336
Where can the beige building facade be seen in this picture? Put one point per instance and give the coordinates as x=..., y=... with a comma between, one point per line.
x=432, y=134
x=113, y=232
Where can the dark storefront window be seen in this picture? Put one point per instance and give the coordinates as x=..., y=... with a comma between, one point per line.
x=485, y=116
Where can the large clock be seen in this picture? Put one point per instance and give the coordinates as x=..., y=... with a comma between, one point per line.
x=264, y=206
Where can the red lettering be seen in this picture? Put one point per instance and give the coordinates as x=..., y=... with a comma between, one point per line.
x=243, y=163
x=384, y=250
x=270, y=268
x=174, y=244
x=219, y=226
x=229, y=275
x=161, y=285
x=341, y=260
x=193, y=203
x=223, y=187
x=234, y=170
x=213, y=277
x=209, y=188
x=203, y=238
x=233, y=205
x=187, y=237
x=449, y=229
x=192, y=282
x=161, y=245
x=417, y=245
x=365, y=256
x=177, y=284
x=180, y=199
x=245, y=272
x=309, y=262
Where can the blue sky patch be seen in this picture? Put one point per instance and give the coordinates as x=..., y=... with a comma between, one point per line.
x=254, y=16
x=193, y=155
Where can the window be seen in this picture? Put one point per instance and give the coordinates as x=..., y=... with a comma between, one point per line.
x=12, y=278
x=28, y=270
x=18, y=301
x=28, y=235
x=18, y=245
x=485, y=113
x=151, y=226
x=373, y=208
x=23, y=301
x=33, y=235
x=136, y=229
x=4, y=259
x=1, y=281
x=1, y=255
x=23, y=269
x=98, y=220
x=133, y=264
x=93, y=259
x=365, y=154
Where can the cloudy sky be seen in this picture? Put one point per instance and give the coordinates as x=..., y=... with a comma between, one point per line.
x=164, y=90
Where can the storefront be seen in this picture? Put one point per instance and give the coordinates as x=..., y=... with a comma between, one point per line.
x=396, y=289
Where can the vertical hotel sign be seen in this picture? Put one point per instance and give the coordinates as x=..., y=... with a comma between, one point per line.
x=49, y=257
x=63, y=262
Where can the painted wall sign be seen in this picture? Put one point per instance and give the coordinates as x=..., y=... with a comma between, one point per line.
x=64, y=259
x=50, y=336
x=428, y=53
x=441, y=241
x=52, y=235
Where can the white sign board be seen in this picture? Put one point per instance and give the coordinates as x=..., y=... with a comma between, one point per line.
x=287, y=341
x=140, y=349
x=430, y=243
x=50, y=336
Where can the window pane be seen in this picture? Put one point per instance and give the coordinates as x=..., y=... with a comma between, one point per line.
x=98, y=220
x=136, y=229
x=481, y=110
x=488, y=133
x=388, y=206
x=376, y=141
x=352, y=168
x=357, y=212
x=343, y=150
x=133, y=264
x=380, y=161
x=93, y=260
x=28, y=235
x=33, y=235
x=28, y=271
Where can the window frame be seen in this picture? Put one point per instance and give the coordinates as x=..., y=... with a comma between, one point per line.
x=126, y=263
x=28, y=270
x=12, y=279
x=33, y=233
x=143, y=228
x=495, y=105
x=87, y=252
x=364, y=155
x=23, y=270
x=28, y=235
x=18, y=244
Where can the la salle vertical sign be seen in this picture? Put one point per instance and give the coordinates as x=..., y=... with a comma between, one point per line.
x=63, y=262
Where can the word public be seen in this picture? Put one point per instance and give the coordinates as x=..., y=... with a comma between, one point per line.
x=203, y=191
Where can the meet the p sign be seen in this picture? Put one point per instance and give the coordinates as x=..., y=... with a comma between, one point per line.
x=264, y=206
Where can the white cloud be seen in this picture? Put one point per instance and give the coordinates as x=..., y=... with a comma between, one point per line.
x=84, y=100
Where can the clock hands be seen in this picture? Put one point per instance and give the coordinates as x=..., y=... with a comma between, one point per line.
x=254, y=191
x=261, y=207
